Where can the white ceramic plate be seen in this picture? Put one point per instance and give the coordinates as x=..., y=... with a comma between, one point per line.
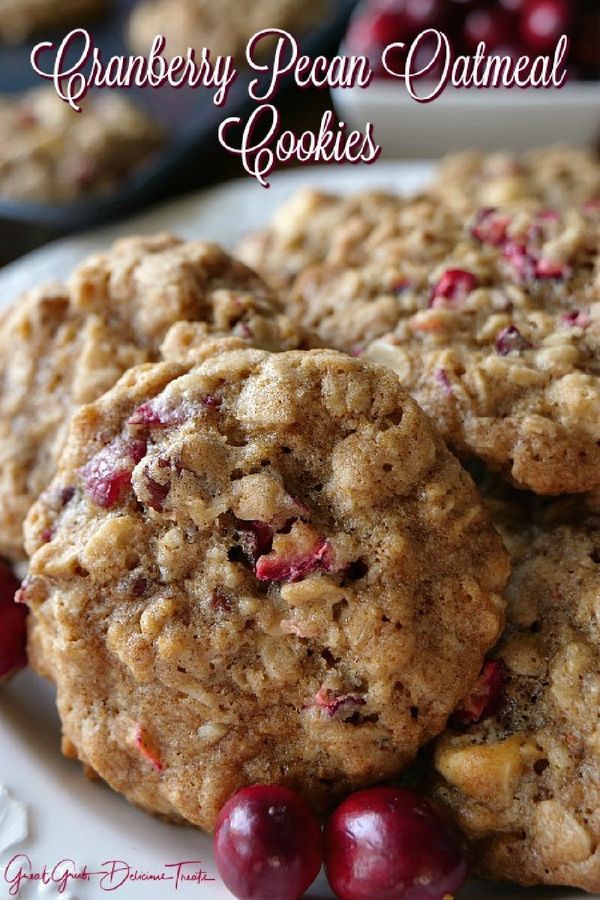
x=71, y=819
x=511, y=119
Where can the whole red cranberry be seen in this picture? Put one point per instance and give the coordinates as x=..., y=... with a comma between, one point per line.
x=388, y=843
x=543, y=22
x=488, y=24
x=13, y=629
x=421, y=14
x=267, y=844
x=374, y=29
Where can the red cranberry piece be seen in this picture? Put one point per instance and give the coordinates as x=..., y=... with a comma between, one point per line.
x=486, y=696
x=210, y=401
x=442, y=379
x=147, y=749
x=256, y=539
x=591, y=206
x=545, y=268
x=584, y=49
x=13, y=628
x=510, y=340
x=107, y=476
x=388, y=843
x=333, y=704
x=575, y=319
x=66, y=495
x=452, y=288
x=293, y=568
x=267, y=844
x=490, y=227
x=158, y=492
x=543, y=22
x=520, y=259
x=295, y=555
x=150, y=413
x=488, y=24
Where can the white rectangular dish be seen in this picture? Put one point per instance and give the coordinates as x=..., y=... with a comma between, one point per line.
x=509, y=119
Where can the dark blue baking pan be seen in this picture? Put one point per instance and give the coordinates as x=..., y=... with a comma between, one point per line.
x=189, y=117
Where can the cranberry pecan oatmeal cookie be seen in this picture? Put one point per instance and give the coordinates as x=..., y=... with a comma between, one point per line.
x=314, y=227
x=492, y=320
x=257, y=568
x=62, y=347
x=219, y=25
x=50, y=153
x=519, y=769
x=21, y=18
x=500, y=344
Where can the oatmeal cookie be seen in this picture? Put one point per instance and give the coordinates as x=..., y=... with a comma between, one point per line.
x=21, y=18
x=314, y=227
x=519, y=770
x=500, y=343
x=557, y=177
x=62, y=347
x=219, y=25
x=50, y=153
x=491, y=319
x=258, y=568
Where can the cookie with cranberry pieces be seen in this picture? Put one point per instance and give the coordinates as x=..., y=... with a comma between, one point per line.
x=500, y=344
x=269, y=569
x=64, y=346
x=519, y=769
x=49, y=153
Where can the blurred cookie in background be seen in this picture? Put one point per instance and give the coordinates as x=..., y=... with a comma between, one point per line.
x=50, y=153
x=224, y=26
x=19, y=19
x=556, y=176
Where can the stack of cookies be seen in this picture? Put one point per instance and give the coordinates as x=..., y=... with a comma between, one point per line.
x=254, y=555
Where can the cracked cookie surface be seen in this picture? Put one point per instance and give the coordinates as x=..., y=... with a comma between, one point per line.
x=258, y=568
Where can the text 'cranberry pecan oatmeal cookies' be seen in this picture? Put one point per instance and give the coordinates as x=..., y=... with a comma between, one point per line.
x=258, y=568
x=519, y=770
x=62, y=347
